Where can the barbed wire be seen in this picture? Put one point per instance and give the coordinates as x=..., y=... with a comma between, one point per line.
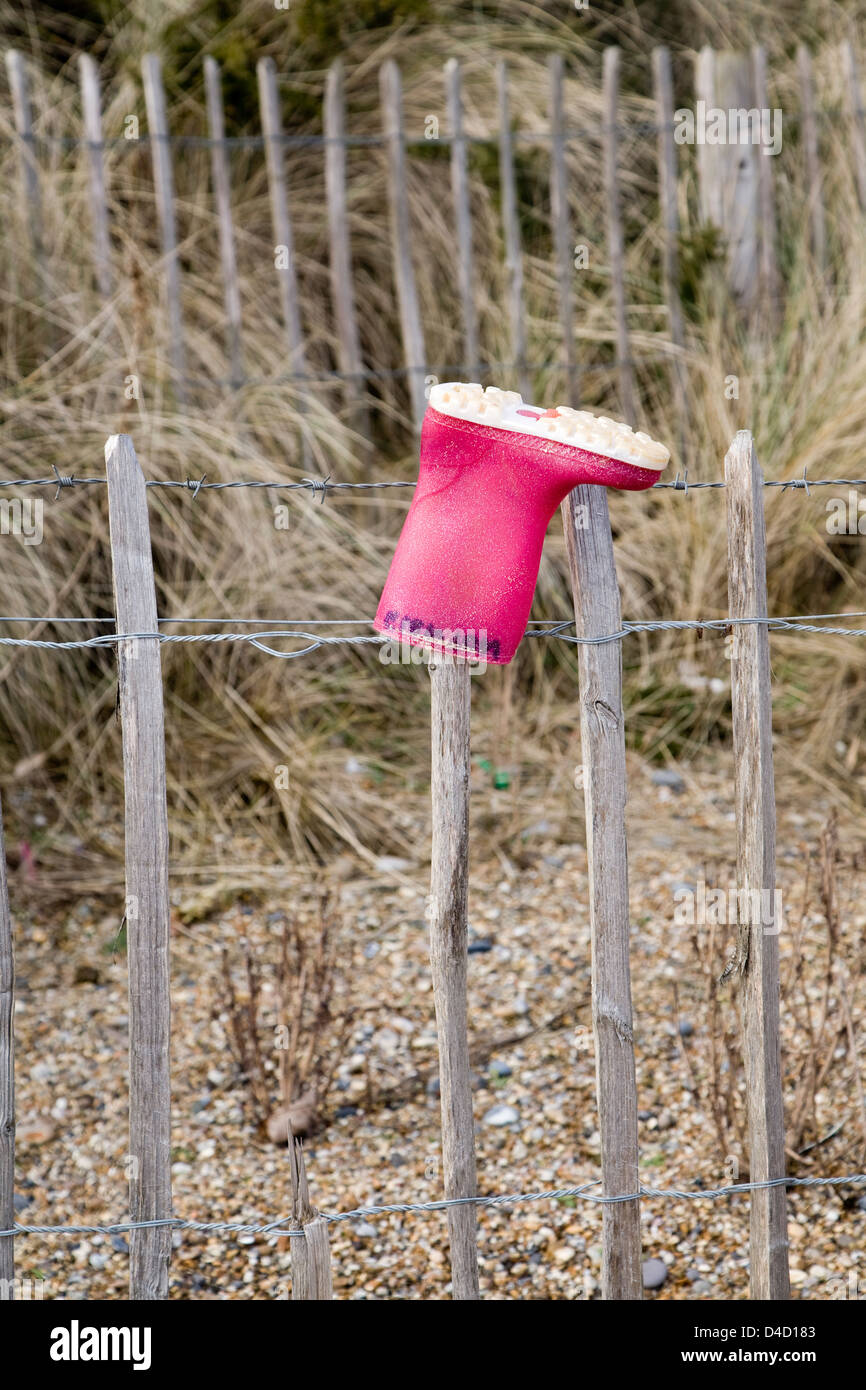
x=317, y=640
x=322, y=486
x=555, y=1194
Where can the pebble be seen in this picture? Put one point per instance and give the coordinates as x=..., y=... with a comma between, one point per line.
x=666, y=777
x=35, y=1129
x=686, y=1028
x=480, y=946
x=500, y=1069
x=654, y=1272
x=391, y=864
x=501, y=1115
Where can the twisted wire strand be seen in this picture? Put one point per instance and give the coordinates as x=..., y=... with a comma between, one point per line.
x=318, y=640
x=583, y=1192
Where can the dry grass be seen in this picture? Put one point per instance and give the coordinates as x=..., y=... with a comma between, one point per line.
x=351, y=732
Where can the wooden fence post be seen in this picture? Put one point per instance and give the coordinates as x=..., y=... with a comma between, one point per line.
x=769, y=270
x=562, y=244
x=311, y=1252
x=728, y=173
x=7, y=1083
x=756, y=961
x=23, y=114
x=163, y=180
x=855, y=119
x=92, y=109
x=511, y=234
x=462, y=218
x=615, y=244
x=450, y=703
x=147, y=897
x=667, y=167
x=589, y=546
x=348, y=338
x=813, y=163
x=222, y=197
x=272, y=129
x=407, y=294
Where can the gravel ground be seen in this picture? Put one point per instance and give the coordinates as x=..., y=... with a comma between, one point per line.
x=535, y=1106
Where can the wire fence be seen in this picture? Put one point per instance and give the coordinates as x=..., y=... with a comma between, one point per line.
x=303, y=630
x=322, y=486
x=314, y=140
x=584, y=1193
x=317, y=641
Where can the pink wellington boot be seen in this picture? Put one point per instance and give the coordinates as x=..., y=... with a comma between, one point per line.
x=493, y=472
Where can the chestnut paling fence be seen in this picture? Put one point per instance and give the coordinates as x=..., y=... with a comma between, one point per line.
x=753, y=967
x=736, y=185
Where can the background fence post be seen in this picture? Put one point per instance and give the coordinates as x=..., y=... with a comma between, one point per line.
x=272, y=129
x=7, y=1082
x=602, y=734
x=855, y=119
x=667, y=169
x=450, y=705
x=562, y=243
x=91, y=107
x=462, y=218
x=348, y=339
x=756, y=961
x=147, y=896
x=311, y=1252
x=615, y=244
x=813, y=163
x=222, y=197
x=511, y=234
x=163, y=180
x=728, y=174
x=19, y=84
x=769, y=269
x=407, y=294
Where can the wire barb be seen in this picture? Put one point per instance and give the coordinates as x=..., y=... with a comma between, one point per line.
x=320, y=486
x=62, y=480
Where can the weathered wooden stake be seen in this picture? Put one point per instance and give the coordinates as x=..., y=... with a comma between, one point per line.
x=769, y=269
x=91, y=106
x=755, y=965
x=450, y=701
x=147, y=898
x=391, y=93
x=19, y=85
x=222, y=197
x=511, y=235
x=163, y=180
x=462, y=218
x=7, y=1083
x=562, y=243
x=348, y=337
x=667, y=166
x=615, y=242
x=728, y=173
x=311, y=1252
x=855, y=119
x=284, y=252
x=809, y=130
x=602, y=733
